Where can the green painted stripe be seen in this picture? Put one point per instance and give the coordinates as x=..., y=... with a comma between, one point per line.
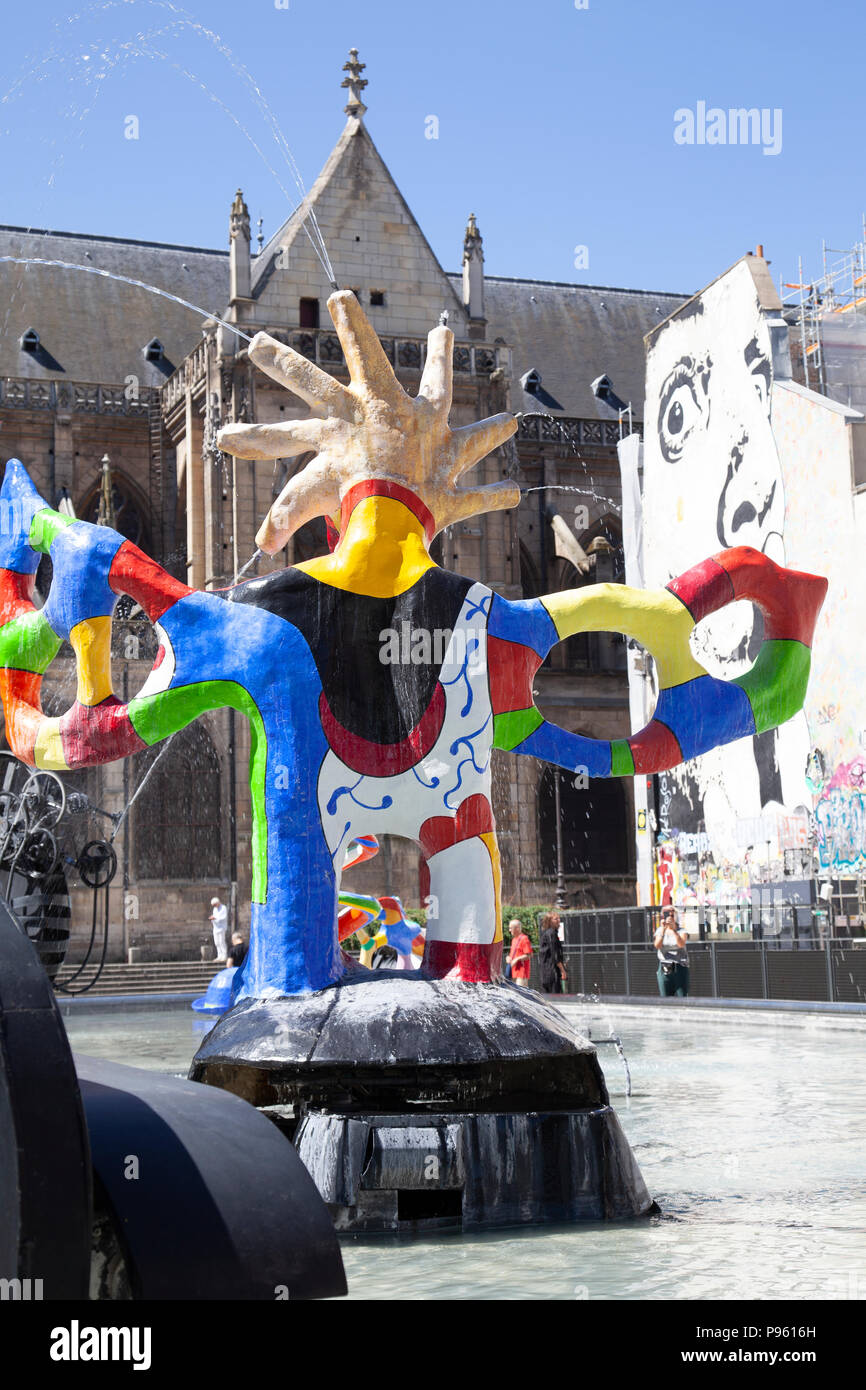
x=155, y=717
x=621, y=759
x=514, y=726
x=45, y=526
x=776, y=684
x=360, y=900
x=27, y=643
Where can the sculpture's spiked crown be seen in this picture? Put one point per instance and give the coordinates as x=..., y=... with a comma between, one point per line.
x=369, y=429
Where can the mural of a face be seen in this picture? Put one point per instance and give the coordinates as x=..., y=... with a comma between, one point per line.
x=713, y=479
x=710, y=456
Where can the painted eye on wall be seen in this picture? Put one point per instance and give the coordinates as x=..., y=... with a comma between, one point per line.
x=681, y=409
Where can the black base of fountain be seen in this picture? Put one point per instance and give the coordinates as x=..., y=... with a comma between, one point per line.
x=417, y=1103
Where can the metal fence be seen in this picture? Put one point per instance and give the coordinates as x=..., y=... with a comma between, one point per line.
x=777, y=969
x=780, y=922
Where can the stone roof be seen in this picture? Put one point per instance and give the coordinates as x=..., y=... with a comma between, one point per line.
x=572, y=334
x=93, y=329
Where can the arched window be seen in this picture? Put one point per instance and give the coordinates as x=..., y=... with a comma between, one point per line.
x=592, y=651
x=131, y=509
x=595, y=836
x=176, y=819
x=610, y=564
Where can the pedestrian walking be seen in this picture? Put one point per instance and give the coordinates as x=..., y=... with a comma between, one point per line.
x=550, y=953
x=520, y=955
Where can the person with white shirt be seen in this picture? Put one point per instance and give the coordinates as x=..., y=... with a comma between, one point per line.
x=219, y=919
x=671, y=948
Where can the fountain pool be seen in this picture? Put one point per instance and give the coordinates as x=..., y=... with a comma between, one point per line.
x=748, y=1130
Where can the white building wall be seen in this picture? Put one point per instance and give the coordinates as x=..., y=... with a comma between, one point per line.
x=737, y=453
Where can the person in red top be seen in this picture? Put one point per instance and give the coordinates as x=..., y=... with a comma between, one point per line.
x=520, y=954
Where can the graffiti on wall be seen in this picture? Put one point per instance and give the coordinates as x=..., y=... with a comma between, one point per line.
x=840, y=824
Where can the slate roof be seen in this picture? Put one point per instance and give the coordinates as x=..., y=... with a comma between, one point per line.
x=572, y=334
x=92, y=329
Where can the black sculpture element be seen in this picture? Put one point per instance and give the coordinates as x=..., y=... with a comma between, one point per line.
x=45, y=1187
x=218, y=1206
x=121, y=1183
x=417, y=1103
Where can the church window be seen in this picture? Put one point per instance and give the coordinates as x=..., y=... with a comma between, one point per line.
x=377, y=298
x=594, y=824
x=176, y=819
x=308, y=313
x=154, y=351
x=129, y=505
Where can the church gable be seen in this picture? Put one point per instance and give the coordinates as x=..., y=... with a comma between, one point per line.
x=375, y=245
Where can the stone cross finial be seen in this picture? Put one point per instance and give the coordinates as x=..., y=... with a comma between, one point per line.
x=472, y=237
x=355, y=83
x=239, y=221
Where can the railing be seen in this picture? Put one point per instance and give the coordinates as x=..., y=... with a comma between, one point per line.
x=22, y=393
x=832, y=971
x=322, y=346
x=777, y=923
x=190, y=373
x=569, y=429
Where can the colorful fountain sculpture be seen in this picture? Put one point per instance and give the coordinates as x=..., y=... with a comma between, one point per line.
x=376, y=685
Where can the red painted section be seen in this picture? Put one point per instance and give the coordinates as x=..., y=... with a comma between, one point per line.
x=98, y=733
x=474, y=817
x=16, y=594
x=463, y=960
x=348, y=922
x=158, y=659
x=383, y=487
x=703, y=589
x=366, y=847
x=655, y=748
x=332, y=535
x=384, y=759
x=20, y=694
x=789, y=599
x=440, y=959
x=134, y=573
x=664, y=865
x=511, y=669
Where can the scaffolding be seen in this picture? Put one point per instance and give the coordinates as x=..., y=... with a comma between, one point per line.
x=840, y=290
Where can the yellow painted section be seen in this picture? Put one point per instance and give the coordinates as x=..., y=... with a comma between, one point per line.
x=382, y=553
x=496, y=865
x=48, y=753
x=653, y=617
x=91, y=642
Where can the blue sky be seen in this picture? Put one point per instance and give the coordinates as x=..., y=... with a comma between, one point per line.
x=556, y=124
